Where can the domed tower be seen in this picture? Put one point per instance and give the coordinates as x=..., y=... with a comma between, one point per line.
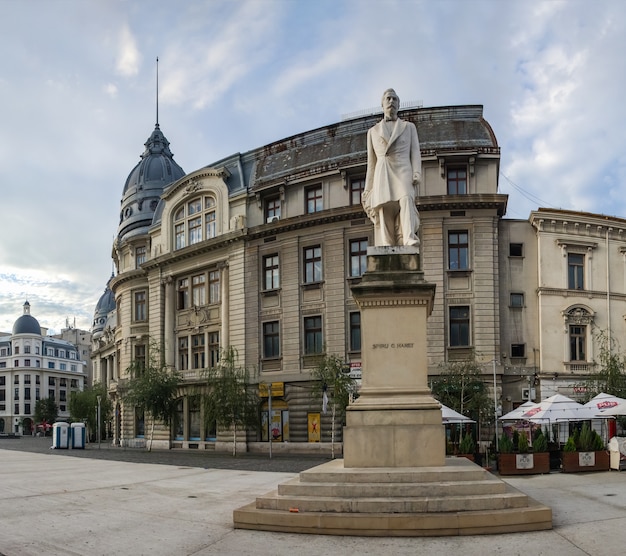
x=145, y=184
x=26, y=324
x=102, y=314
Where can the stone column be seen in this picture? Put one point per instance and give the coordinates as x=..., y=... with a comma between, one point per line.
x=395, y=422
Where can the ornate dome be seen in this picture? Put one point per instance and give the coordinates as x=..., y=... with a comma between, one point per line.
x=27, y=324
x=105, y=305
x=145, y=184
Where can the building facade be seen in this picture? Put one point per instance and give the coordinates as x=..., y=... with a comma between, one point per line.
x=258, y=251
x=34, y=366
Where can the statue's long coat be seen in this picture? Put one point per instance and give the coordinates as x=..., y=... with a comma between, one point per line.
x=389, y=177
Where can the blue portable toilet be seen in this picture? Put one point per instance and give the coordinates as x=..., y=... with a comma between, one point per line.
x=77, y=435
x=60, y=435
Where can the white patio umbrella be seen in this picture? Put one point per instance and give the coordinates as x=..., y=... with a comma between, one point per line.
x=559, y=408
x=450, y=416
x=517, y=413
x=619, y=409
x=604, y=401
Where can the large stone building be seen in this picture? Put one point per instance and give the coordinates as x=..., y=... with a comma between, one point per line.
x=258, y=251
x=35, y=366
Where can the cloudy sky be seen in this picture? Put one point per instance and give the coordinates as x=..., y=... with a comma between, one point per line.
x=77, y=102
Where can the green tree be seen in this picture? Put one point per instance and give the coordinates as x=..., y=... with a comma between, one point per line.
x=461, y=386
x=46, y=411
x=153, y=388
x=83, y=407
x=229, y=399
x=610, y=376
x=337, y=387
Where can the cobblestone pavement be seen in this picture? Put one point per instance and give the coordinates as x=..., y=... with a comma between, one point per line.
x=205, y=459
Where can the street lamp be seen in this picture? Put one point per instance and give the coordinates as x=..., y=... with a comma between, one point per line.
x=99, y=398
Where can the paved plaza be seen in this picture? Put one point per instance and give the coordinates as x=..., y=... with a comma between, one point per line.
x=110, y=501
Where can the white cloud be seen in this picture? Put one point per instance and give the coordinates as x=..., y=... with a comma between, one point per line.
x=128, y=56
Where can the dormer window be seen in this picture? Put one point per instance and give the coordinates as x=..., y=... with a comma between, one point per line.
x=195, y=222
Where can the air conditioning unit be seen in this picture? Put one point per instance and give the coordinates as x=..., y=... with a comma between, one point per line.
x=528, y=394
x=273, y=219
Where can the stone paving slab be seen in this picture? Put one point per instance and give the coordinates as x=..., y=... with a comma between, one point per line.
x=58, y=504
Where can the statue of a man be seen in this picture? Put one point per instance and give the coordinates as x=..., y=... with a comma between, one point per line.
x=394, y=169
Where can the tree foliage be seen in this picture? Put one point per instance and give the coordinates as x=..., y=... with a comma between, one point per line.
x=46, y=411
x=461, y=387
x=332, y=380
x=610, y=376
x=229, y=399
x=153, y=388
x=83, y=407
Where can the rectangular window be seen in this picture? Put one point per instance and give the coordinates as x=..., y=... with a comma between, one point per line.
x=26, y=362
x=140, y=306
x=27, y=409
x=51, y=394
x=140, y=356
x=195, y=230
x=27, y=394
x=575, y=271
x=271, y=275
x=357, y=186
x=577, y=340
x=518, y=350
x=457, y=181
x=272, y=209
x=50, y=364
x=27, y=349
x=17, y=350
x=62, y=396
x=179, y=235
x=37, y=394
x=313, y=264
x=63, y=366
x=313, y=341
x=183, y=294
x=16, y=394
x=16, y=379
x=197, y=351
x=51, y=381
x=140, y=256
x=214, y=348
x=26, y=379
x=198, y=290
x=214, y=286
x=358, y=257
x=516, y=249
x=517, y=300
x=314, y=199
x=210, y=224
x=16, y=409
x=183, y=353
x=271, y=339
x=458, y=249
x=355, y=331
x=459, y=327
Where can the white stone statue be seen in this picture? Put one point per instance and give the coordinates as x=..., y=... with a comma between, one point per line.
x=394, y=169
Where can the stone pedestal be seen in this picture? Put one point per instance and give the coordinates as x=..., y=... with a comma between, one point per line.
x=394, y=479
x=395, y=422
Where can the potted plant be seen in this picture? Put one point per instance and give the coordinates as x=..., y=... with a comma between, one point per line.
x=467, y=447
x=585, y=451
x=524, y=461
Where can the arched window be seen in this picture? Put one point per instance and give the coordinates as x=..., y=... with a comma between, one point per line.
x=194, y=222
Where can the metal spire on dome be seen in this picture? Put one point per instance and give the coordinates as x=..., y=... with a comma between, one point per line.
x=157, y=91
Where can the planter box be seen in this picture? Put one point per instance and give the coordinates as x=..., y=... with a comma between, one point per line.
x=467, y=456
x=573, y=462
x=524, y=464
